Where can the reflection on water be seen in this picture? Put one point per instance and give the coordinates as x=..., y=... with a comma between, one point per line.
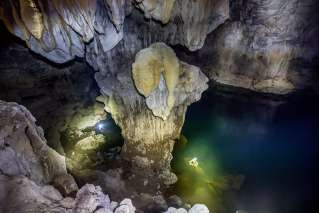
x=254, y=153
x=201, y=179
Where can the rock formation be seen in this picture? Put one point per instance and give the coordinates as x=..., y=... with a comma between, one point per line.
x=197, y=208
x=152, y=120
x=20, y=194
x=28, y=166
x=51, y=93
x=24, y=151
x=60, y=30
x=57, y=31
x=33, y=177
x=60, y=98
x=267, y=46
x=259, y=48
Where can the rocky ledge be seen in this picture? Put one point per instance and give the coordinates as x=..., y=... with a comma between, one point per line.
x=33, y=177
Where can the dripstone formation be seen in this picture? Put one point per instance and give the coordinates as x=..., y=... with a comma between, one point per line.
x=61, y=31
x=152, y=115
x=268, y=46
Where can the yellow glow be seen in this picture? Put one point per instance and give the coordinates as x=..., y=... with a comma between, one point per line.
x=193, y=162
x=32, y=18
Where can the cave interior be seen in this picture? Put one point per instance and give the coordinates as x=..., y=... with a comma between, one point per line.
x=153, y=106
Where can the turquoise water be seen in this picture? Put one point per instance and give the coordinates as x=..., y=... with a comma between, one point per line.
x=255, y=153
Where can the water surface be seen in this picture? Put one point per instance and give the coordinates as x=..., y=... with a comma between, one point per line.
x=255, y=153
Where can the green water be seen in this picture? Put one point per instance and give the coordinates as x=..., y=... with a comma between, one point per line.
x=255, y=153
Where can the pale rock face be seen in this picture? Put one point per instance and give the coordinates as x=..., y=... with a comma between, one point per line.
x=259, y=44
x=262, y=70
x=35, y=23
x=160, y=10
x=174, y=210
x=28, y=165
x=125, y=206
x=117, y=12
x=85, y=118
x=197, y=208
x=20, y=194
x=69, y=10
x=198, y=18
x=90, y=198
x=156, y=72
x=163, y=80
x=23, y=147
x=258, y=49
x=159, y=97
x=62, y=30
x=187, y=22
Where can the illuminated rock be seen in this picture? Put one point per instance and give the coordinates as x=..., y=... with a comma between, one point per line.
x=90, y=143
x=193, y=162
x=174, y=210
x=62, y=30
x=263, y=45
x=32, y=17
x=156, y=73
x=199, y=208
x=79, y=15
x=28, y=166
x=159, y=10
x=81, y=142
x=148, y=126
